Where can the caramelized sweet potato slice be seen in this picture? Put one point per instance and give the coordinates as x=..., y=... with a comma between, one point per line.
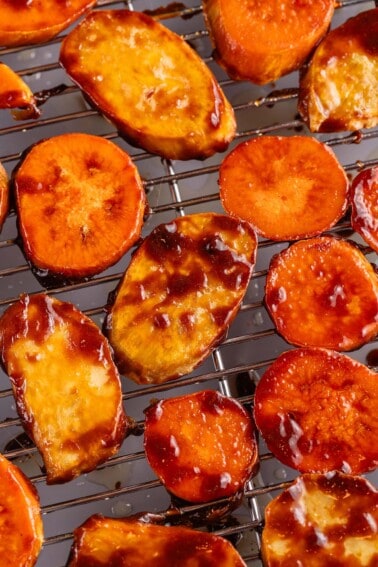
x=261, y=41
x=4, y=195
x=364, y=201
x=287, y=187
x=149, y=83
x=339, y=90
x=323, y=292
x=182, y=289
x=202, y=446
x=21, y=529
x=34, y=21
x=15, y=93
x=62, y=372
x=322, y=520
x=317, y=411
x=80, y=203
x=109, y=541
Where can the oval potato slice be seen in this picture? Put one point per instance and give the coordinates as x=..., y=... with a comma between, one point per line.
x=364, y=201
x=15, y=93
x=4, y=195
x=149, y=83
x=182, y=289
x=21, y=528
x=62, y=372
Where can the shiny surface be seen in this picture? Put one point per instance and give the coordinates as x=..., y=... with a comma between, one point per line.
x=364, y=201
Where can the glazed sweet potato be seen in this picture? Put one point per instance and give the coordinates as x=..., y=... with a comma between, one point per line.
x=15, y=93
x=36, y=21
x=316, y=410
x=21, y=528
x=323, y=292
x=62, y=372
x=4, y=195
x=148, y=81
x=287, y=187
x=322, y=520
x=339, y=90
x=261, y=41
x=80, y=204
x=364, y=201
x=182, y=289
x=202, y=445
x=109, y=541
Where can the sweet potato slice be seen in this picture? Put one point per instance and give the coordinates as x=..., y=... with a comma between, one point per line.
x=339, y=90
x=62, y=372
x=364, y=201
x=4, y=195
x=202, y=446
x=149, y=83
x=323, y=292
x=287, y=187
x=21, y=529
x=261, y=41
x=36, y=21
x=182, y=289
x=80, y=202
x=317, y=411
x=322, y=520
x=109, y=541
x=15, y=93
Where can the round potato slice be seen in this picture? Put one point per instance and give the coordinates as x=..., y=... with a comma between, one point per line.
x=80, y=203
x=288, y=188
x=4, y=195
x=202, y=446
x=317, y=411
x=323, y=292
x=364, y=201
x=322, y=520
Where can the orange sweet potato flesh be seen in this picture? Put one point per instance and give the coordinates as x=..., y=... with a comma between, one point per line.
x=288, y=188
x=62, y=372
x=202, y=446
x=4, y=195
x=80, y=203
x=261, y=41
x=179, y=294
x=15, y=93
x=316, y=409
x=323, y=292
x=339, y=90
x=36, y=21
x=148, y=81
x=322, y=520
x=364, y=202
x=104, y=541
x=21, y=528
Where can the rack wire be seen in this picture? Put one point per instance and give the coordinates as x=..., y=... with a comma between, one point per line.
x=125, y=484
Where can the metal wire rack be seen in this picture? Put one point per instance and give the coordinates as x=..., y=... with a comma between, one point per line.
x=126, y=485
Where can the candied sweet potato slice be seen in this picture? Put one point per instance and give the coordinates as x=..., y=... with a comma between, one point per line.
x=317, y=411
x=62, y=372
x=323, y=292
x=287, y=187
x=21, y=528
x=339, y=90
x=182, y=289
x=148, y=81
x=36, y=21
x=4, y=195
x=261, y=41
x=322, y=520
x=109, y=541
x=15, y=93
x=364, y=202
x=80, y=203
x=202, y=446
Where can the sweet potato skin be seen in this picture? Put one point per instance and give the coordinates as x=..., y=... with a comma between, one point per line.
x=364, y=204
x=21, y=528
x=4, y=195
x=131, y=68
x=339, y=90
x=61, y=370
x=262, y=41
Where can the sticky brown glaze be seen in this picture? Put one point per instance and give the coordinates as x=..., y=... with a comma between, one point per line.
x=316, y=410
x=322, y=521
x=201, y=446
x=323, y=292
x=364, y=201
x=61, y=370
x=181, y=290
x=110, y=542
